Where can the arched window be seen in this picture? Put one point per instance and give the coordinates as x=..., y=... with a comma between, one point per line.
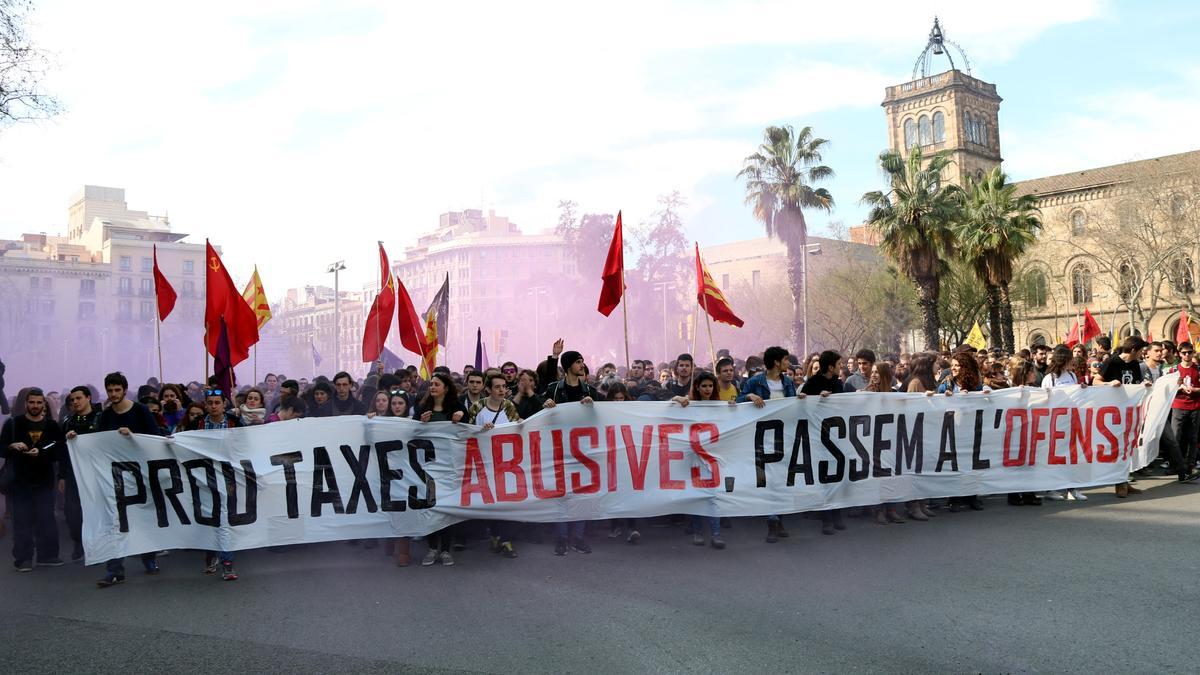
x=1035, y=288
x=926, y=130
x=1180, y=276
x=1127, y=277
x=939, y=127
x=910, y=133
x=1081, y=284
x=1037, y=338
x=968, y=127
x=1078, y=222
x=983, y=132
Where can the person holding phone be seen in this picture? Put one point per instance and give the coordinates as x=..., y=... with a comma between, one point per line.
x=33, y=443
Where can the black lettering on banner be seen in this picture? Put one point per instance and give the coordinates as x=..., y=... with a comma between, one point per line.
x=947, y=449
x=124, y=500
x=879, y=445
x=800, y=446
x=323, y=475
x=161, y=497
x=251, y=513
x=359, y=466
x=430, y=499
x=210, y=479
x=387, y=475
x=860, y=425
x=977, y=462
x=910, y=446
x=289, y=460
x=823, y=473
x=761, y=457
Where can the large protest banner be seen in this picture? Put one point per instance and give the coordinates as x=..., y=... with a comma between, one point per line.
x=325, y=479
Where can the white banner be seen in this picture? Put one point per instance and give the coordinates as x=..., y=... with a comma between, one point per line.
x=324, y=479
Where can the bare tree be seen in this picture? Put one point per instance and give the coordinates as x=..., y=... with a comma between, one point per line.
x=22, y=69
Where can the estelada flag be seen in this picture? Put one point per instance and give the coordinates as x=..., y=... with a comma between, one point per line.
x=164, y=292
x=256, y=297
x=975, y=337
x=222, y=301
x=436, y=318
x=614, y=273
x=710, y=296
x=379, y=320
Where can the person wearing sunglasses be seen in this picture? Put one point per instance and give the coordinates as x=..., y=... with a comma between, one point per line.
x=1185, y=417
x=509, y=370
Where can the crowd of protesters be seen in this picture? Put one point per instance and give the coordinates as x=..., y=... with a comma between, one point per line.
x=37, y=478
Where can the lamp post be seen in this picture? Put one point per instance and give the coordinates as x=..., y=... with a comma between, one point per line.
x=809, y=249
x=335, y=268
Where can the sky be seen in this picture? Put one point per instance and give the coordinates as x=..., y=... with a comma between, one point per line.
x=275, y=125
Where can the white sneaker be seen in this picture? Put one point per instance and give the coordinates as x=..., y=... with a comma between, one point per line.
x=1078, y=495
x=1054, y=495
x=446, y=559
x=431, y=557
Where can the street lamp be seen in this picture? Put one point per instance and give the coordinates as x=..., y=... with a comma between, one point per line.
x=809, y=249
x=334, y=268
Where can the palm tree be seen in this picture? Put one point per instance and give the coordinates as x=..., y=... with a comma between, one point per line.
x=779, y=180
x=997, y=227
x=915, y=220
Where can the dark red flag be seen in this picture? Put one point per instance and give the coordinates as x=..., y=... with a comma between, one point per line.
x=379, y=320
x=1091, y=329
x=223, y=373
x=224, y=301
x=412, y=329
x=614, y=273
x=163, y=289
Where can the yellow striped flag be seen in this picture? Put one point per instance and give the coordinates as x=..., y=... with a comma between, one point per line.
x=256, y=297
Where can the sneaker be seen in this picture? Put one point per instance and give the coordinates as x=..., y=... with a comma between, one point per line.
x=494, y=544
x=718, y=542
x=446, y=559
x=227, y=573
x=1189, y=477
x=697, y=539
x=152, y=567
x=507, y=550
x=77, y=554
x=581, y=546
x=635, y=536
x=1074, y=493
x=616, y=532
x=560, y=547
x=210, y=564
x=23, y=566
x=50, y=562
x=1054, y=495
x=110, y=580
x=431, y=557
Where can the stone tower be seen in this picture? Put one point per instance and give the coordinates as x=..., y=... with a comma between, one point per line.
x=947, y=111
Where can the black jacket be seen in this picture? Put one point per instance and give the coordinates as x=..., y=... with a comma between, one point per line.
x=33, y=471
x=557, y=391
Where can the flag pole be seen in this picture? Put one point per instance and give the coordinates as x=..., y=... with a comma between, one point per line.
x=695, y=327
x=625, y=312
x=158, y=345
x=256, y=364
x=712, y=350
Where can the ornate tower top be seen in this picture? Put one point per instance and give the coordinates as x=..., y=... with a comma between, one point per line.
x=937, y=47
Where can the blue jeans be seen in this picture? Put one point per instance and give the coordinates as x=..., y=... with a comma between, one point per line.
x=116, y=566
x=574, y=529
x=714, y=525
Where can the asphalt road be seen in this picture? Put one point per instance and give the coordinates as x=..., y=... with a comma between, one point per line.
x=1105, y=584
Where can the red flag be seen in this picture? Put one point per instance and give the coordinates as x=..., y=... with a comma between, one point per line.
x=162, y=289
x=1072, y=335
x=614, y=273
x=224, y=301
x=711, y=298
x=1182, y=334
x=379, y=320
x=1091, y=329
x=226, y=379
x=412, y=329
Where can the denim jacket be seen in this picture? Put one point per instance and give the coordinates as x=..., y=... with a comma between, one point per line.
x=757, y=385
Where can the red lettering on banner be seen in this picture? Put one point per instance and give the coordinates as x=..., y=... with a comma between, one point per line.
x=1036, y=433
x=610, y=442
x=475, y=480
x=1108, y=454
x=1014, y=415
x=666, y=454
x=1052, y=456
x=502, y=468
x=593, y=485
x=639, y=460
x=1132, y=423
x=1081, y=436
x=535, y=459
x=713, y=436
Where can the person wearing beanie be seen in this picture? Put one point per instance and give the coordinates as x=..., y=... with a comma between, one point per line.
x=571, y=388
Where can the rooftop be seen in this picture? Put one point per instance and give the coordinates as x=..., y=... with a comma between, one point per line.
x=1110, y=175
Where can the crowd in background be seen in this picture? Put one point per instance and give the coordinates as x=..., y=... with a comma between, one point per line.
x=38, y=480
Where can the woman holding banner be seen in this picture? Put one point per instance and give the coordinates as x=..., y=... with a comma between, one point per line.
x=880, y=382
x=964, y=378
x=704, y=388
x=440, y=404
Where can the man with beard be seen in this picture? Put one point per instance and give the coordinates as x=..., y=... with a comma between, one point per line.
x=33, y=443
